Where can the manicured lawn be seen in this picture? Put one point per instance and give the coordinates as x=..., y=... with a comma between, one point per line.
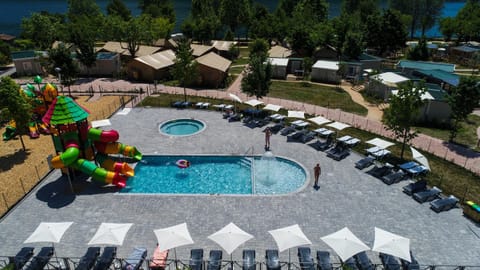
x=451, y=178
x=236, y=70
x=240, y=61
x=331, y=97
x=467, y=134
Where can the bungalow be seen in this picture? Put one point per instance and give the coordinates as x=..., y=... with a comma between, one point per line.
x=212, y=69
x=27, y=63
x=432, y=72
x=199, y=50
x=463, y=54
x=381, y=85
x=279, y=67
x=121, y=48
x=278, y=51
x=354, y=69
x=151, y=67
x=326, y=53
x=408, y=66
x=222, y=47
x=166, y=43
x=326, y=71
x=107, y=64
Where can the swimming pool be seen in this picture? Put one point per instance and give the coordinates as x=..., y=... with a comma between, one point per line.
x=217, y=175
x=181, y=127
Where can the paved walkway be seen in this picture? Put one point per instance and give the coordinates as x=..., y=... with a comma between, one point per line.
x=347, y=197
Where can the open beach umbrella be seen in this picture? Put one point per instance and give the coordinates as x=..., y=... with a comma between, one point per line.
x=338, y=125
x=345, y=243
x=380, y=143
x=319, y=120
x=50, y=232
x=253, y=102
x=420, y=158
x=392, y=244
x=272, y=107
x=296, y=114
x=110, y=234
x=289, y=237
x=172, y=237
x=230, y=237
x=235, y=98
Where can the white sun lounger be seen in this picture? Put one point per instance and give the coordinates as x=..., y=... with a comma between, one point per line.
x=345, y=138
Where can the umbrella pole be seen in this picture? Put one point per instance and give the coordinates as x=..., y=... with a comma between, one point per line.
x=175, y=252
x=231, y=260
x=288, y=259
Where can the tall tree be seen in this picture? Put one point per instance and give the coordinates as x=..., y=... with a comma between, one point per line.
x=232, y=13
x=468, y=21
x=385, y=32
x=257, y=79
x=61, y=58
x=403, y=111
x=203, y=23
x=463, y=99
x=15, y=106
x=79, y=8
x=158, y=8
x=423, y=13
x=448, y=27
x=259, y=47
x=118, y=8
x=185, y=69
x=42, y=28
x=353, y=46
x=360, y=8
x=83, y=33
x=4, y=53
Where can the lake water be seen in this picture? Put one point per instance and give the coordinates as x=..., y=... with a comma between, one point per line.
x=12, y=11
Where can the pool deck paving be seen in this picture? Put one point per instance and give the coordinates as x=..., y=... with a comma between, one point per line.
x=347, y=197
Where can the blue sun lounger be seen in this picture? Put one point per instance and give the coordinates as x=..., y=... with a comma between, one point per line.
x=271, y=259
x=394, y=177
x=363, y=262
x=364, y=162
x=215, y=260
x=415, y=187
x=350, y=264
x=408, y=165
x=413, y=265
x=389, y=262
x=88, y=260
x=444, y=204
x=135, y=259
x=41, y=259
x=22, y=257
x=323, y=260
x=106, y=259
x=196, y=259
x=305, y=258
x=249, y=260
x=427, y=195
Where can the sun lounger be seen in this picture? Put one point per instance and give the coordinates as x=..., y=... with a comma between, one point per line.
x=420, y=169
x=350, y=264
x=249, y=260
x=88, y=260
x=322, y=145
x=287, y=130
x=277, y=117
x=345, y=138
x=373, y=149
x=427, y=195
x=22, y=257
x=41, y=259
x=106, y=259
x=323, y=260
x=408, y=165
x=300, y=124
x=389, y=262
x=219, y=107
x=159, y=259
x=135, y=259
x=199, y=105
x=413, y=265
x=271, y=259
x=338, y=152
x=380, y=171
x=394, y=177
x=364, y=162
x=352, y=142
x=381, y=153
x=196, y=259
x=297, y=135
x=363, y=262
x=305, y=258
x=276, y=128
x=444, y=204
x=205, y=105
x=177, y=104
x=235, y=117
x=308, y=137
x=215, y=260
x=415, y=187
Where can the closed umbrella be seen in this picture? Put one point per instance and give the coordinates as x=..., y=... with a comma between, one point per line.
x=289, y=237
x=230, y=237
x=420, y=158
x=172, y=237
x=110, y=234
x=296, y=114
x=392, y=244
x=345, y=243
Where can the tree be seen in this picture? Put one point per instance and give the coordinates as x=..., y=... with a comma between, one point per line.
x=4, y=53
x=360, y=8
x=419, y=52
x=423, y=13
x=233, y=13
x=403, y=111
x=468, y=21
x=158, y=8
x=259, y=47
x=353, y=46
x=15, y=106
x=257, y=80
x=393, y=31
x=463, y=99
x=118, y=8
x=79, y=8
x=185, y=68
x=83, y=33
x=42, y=28
x=61, y=57
x=448, y=27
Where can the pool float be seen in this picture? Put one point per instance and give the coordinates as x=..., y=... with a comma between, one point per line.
x=183, y=163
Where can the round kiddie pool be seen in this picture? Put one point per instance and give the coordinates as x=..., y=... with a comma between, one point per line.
x=181, y=127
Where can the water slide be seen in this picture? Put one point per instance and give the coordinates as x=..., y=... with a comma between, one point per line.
x=10, y=131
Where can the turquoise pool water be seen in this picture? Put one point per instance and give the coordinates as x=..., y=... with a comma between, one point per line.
x=182, y=127
x=216, y=175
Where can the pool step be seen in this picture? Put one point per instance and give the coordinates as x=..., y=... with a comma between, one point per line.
x=245, y=162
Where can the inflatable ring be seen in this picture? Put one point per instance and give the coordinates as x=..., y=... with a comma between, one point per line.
x=183, y=163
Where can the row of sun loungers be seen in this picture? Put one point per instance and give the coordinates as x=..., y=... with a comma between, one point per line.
x=421, y=193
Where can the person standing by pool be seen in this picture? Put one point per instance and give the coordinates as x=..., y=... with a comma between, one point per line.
x=316, y=172
x=268, y=134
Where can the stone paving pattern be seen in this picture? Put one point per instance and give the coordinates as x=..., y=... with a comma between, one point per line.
x=347, y=197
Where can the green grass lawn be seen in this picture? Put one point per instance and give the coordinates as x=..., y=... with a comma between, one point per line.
x=467, y=134
x=449, y=177
x=240, y=61
x=236, y=70
x=331, y=97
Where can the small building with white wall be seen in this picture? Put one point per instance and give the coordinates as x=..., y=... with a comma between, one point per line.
x=381, y=85
x=279, y=67
x=326, y=71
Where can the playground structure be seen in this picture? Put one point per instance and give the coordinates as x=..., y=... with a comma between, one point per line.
x=40, y=99
x=81, y=147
